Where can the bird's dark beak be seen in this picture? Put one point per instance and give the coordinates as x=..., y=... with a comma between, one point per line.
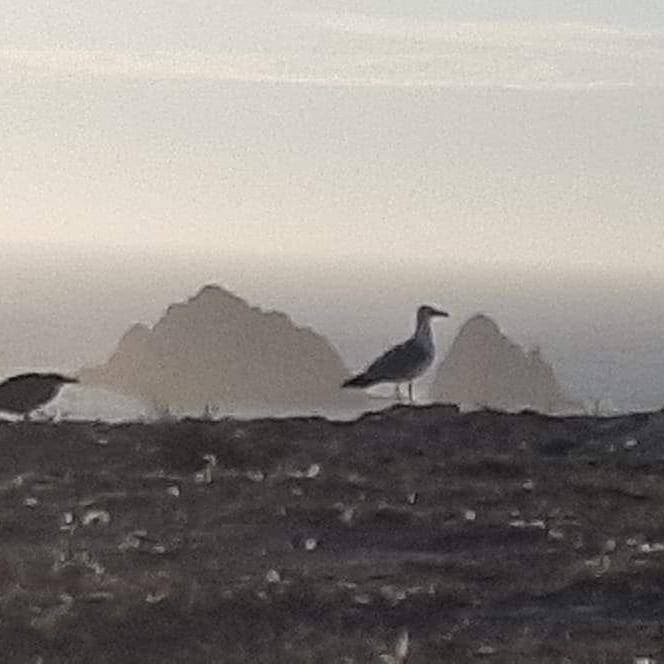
x=69, y=379
x=438, y=312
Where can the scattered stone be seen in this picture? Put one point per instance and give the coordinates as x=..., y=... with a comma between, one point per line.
x=273, y=576
x=362, y=598
x=528, y=485
x=346, y=514
x=174, y=491
x=403, y=644
x=486, y=651
x=520, y=523
x=31, y=502
x=470, y=515
x=131, y=541
x=155, y=598
x=556, y=534
x=96, y=517
x=610, y=546
x=204, y=476
x=312, y=471
x=255, y=475
x=656, y=547
x=630, y=443
x=310, y=544
x=411, y=499
x=393, y=595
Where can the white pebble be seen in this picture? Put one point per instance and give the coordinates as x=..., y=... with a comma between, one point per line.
x=31, y=502
x=610, y=545
x=630, y=444
x=174, y=491
x=556, y=534
x=204, y=476
x=486, y=650
x=211, y=459
x=97, y=517
x=362, y=598
x=155, y=598
x=347, y=515
x=528, y=485
x=657, y=547
x=273, y=576
x=310, y=544
x=470, y=515
x=256, y=475
x=401, y=649
x=312, y=471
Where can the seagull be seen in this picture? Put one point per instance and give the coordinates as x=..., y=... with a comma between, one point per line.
x=22, y=394
x=406, y=361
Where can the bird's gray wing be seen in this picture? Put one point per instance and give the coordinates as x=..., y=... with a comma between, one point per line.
x=397, y=362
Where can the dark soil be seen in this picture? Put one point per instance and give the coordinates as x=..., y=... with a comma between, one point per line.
x=417, y=535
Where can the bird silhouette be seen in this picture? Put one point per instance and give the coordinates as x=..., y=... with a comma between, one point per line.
x=22, y=394
x=406, y=361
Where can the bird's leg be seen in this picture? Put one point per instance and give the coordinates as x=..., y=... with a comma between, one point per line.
x=397, y=392
x=410, y=391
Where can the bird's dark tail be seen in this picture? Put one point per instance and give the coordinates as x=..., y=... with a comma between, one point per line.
x=358, y=381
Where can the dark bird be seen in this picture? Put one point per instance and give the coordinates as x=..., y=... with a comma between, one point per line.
x=404, y=362
x=22, y=394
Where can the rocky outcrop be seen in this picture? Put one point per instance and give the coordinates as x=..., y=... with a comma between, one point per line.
x=484, y=368
x=217, y=350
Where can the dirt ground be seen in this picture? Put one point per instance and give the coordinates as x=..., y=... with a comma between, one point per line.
x=416, y=535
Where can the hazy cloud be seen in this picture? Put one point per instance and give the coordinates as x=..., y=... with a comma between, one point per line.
x=350, y=49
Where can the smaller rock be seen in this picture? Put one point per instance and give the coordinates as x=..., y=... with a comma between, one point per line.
x=470, y=515
x=273, y=576
x=204, y=476
x=610, y=546
x=312, y=471
x=310, y=544
x=486, y=651
x=96, y=517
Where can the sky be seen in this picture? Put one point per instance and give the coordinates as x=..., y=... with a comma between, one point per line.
x=333, y=159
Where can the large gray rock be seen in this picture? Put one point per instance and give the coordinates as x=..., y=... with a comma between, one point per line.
x=485, y=368
x=216, y=350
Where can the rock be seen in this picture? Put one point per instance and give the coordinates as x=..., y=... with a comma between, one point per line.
x=216, y=349
x=485, y=368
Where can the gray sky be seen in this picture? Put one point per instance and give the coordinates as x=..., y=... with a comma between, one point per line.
x=376, y=152
x=477, y=131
